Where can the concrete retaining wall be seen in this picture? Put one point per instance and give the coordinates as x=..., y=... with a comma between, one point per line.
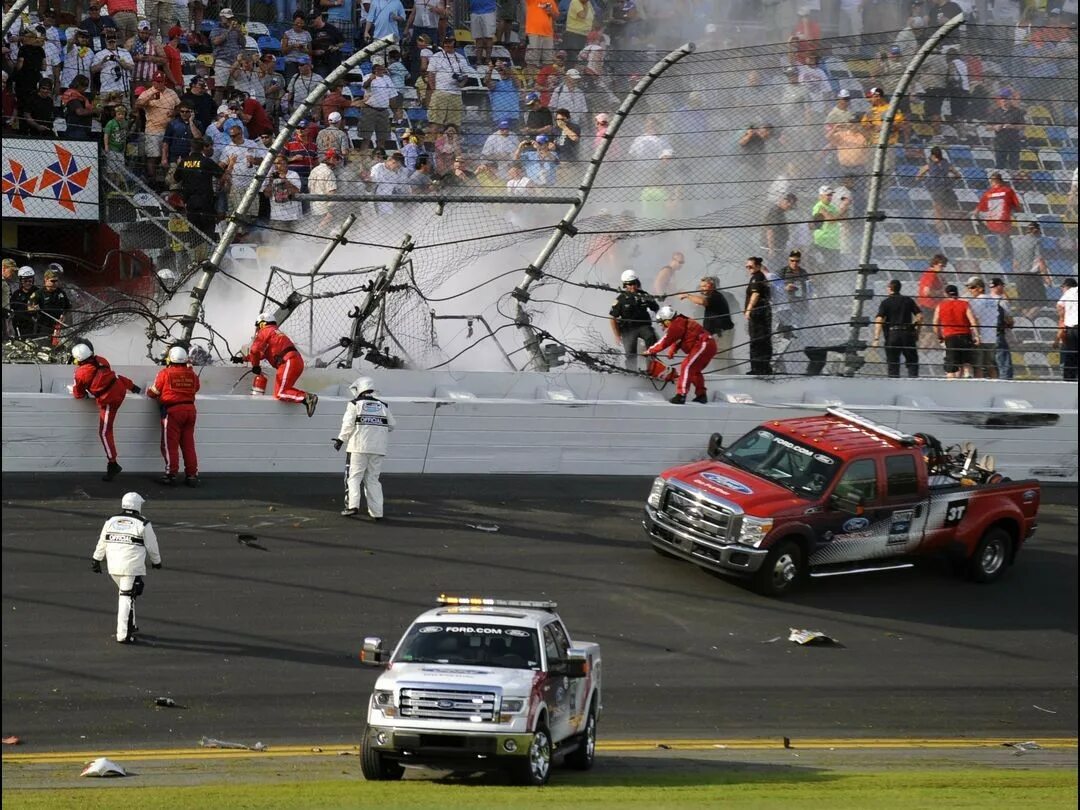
x=483, y=422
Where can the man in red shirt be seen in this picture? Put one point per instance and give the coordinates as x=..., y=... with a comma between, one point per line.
x=274, y=346
x=955, y=325
x=254, y=116
x=173, y=67
x=995, y=209
x=174, y=389
x=96, y=379
x=698, y=345
x=932, y=286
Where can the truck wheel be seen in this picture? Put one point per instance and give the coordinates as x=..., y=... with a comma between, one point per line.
x=582, y=759
x=991, y=556
x=782, y=571
x=376, y=767
x=535, y=768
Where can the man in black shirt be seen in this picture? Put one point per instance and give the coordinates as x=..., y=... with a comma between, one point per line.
x=899, y=317
x=52, y=305
x=567, y=137
x=24, y=302
x=38, y=111
x=796, y=279
x=326, y=41
x=941, y=11
x=201, y=102
x=1007, y=121
x=716, y=319
x=538, y=120
x=757, y=309
x=196, y=174
x=630, y=319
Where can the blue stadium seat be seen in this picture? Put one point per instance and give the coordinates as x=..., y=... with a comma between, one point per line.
x=974, y=176
x=897, y=197
x=961, y=156
x=1044, y=181
x=927, y=240
x=1052, y=226
x=905, y=174
x=417, y=115
x=1068, y=155
x=1059, y=136
x=269, y=44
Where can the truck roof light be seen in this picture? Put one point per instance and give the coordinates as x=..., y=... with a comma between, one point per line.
x=483, y=601
x=872, y=426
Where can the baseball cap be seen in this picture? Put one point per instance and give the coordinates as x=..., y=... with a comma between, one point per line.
x=1069, y=283
x=303, y=123
x=602, y=118
x=844, y=94
x=875, y=91
x=175, y=31
x=950, y=289
x=573, y=73
x=896, y=49
x=144, y=25
x=303, y=59
x=1005, y=93
x=976, y=281
x=824, y=190
x=504, y=124
x=331, y=154
x=542, y=139
x=226, y=14
x=333, y=118
x=996, y=282
x=529, y=99
x=795, y=254
x=667, y=153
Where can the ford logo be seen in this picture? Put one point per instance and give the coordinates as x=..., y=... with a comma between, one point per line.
x=445, y=704
x=726, y=483
x=856, y=524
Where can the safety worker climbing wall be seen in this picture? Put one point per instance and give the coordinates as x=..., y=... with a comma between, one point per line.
x=274, y=346
x=95, y=378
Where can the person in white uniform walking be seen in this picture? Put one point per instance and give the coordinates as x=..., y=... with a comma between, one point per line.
x=365, y=433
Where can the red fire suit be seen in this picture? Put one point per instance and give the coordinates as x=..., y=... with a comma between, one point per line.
x=698, y=346
x=95, y=378
x=174, y=389
x=276, y=348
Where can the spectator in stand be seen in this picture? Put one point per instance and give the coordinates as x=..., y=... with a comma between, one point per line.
x=482, y=26
x=506, y=16
x=302, y=83
x=114, y=67
x=1068, y=335
x=517, y=183
x=603, y=123
x=173, y=65
x=240, y=159
x=1007, y=120
x=379, y=90
x=246, y=78
x=335, y=101
x=580, y=18
x=568, y=137
x=501, y=145
x=840, y=115
x=540, y=160
x=115, y=138
x=828, y=217
x=196, y=174
x=95, y=24
x=796, y=282
x=939, y=174
x=1030, y=271
x=326, y=41
x=540, y=17
x=958, y=85
x=282, y=188
x=383, y=19
x=126, y=15
x=899, y=318
x=664, y=284
x=227, y=40
x=301, y=153
x=179, y=134
x=504, y=91
x=1002, y=351
x=775, y=232
x=425, y=20
x=397, y=71
x=36, y=112
x=570, y=96
x=985, y=310
x=447, y=146
x=256, y=120
x=538, y=118
x=158, y=104
x=390, y=177
x=334, y=139
x=202, y=104
x=872, y=120
x=295, y=43
x=955, y=326
x=421, y=181
x=447, y=72
x=753, y=145
x=995, y=209
x=549, y=77
x=78, y=56
x=273, y=86
x=323, y=180
x=591, y=58
x=147, y=54
x=78, y=111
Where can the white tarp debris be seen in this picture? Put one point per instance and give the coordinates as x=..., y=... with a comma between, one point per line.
x=810, y=637
x=103, y=767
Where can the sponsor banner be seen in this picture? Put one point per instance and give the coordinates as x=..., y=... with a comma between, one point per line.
x=46, y=179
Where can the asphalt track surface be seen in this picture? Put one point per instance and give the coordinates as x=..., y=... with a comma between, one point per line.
x=259, y=640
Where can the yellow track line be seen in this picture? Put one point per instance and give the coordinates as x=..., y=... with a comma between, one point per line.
x=845, y=743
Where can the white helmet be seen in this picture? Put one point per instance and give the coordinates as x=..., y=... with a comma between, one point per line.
x=56, y=267
x=629, y=276
x=361, y=385
x=266, y=317
x=26, y=272
x=80, y=352
x=665, y=314
x=178, y=355
x=132, y=501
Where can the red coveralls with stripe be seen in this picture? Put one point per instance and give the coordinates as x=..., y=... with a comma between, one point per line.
x=174, y=389
x=698, y=345
x=274, y=346
x=96, y=379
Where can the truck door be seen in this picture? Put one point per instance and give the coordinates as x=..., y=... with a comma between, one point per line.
x=557, y=686
x=855, y=532
x=905, y=508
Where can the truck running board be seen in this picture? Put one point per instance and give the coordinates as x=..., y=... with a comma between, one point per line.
x=862, y=569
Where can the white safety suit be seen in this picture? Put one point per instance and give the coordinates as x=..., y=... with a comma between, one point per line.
x=126, y=540
x=365, y=430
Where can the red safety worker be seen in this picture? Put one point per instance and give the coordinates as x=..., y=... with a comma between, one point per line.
x=95, y=378
x=698, y=346
x=175, y=388
x=276, y=348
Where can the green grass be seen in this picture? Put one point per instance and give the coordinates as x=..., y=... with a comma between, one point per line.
x=807, y=788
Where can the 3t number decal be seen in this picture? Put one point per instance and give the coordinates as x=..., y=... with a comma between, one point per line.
x=954, y=512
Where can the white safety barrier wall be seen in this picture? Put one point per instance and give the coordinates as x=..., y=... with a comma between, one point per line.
x=558, y=423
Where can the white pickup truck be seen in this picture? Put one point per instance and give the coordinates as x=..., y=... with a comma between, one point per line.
x=483, y=684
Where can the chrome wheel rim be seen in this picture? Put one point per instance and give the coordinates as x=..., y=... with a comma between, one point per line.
x=540, y=755
x=590, y=737
x=785, y=570
x=993, y=557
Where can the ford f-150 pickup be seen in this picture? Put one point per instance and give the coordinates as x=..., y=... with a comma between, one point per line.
x=836, y=494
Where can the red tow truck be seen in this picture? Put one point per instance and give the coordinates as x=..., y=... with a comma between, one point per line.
x=834, y=494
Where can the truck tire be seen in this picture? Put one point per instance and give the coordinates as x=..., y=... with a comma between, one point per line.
x=375, y=766
x=991, y=556
x=582, y=758
x=534, y=769
x=783, y=570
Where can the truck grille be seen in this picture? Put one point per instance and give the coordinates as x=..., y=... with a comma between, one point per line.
x=445, y=704
x=700, y=518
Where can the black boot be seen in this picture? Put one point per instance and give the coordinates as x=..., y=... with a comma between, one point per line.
x=703, y=398
x=191, y=480
x=310, y=401
x=111, y=471
x=678, y=399
x=167, y=480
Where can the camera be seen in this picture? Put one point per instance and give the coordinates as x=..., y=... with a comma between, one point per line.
x=460, y=78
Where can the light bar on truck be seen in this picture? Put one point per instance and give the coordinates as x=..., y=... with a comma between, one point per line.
x=871, y=425
x=483, y=601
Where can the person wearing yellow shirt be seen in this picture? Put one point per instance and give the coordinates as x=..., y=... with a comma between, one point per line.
x=579, y=22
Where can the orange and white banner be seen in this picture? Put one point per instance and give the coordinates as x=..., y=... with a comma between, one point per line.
x=45, y=179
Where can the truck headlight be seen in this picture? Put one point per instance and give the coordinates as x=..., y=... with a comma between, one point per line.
x=753, y=530
x=654, y=494
x=511, y=707
x=383, y=700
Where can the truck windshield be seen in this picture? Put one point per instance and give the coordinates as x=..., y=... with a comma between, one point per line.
x=470, y=644
x=804, y=470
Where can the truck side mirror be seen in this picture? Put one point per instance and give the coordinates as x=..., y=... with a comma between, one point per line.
x=716, y=445
x=373, y=654
x=577, y=664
